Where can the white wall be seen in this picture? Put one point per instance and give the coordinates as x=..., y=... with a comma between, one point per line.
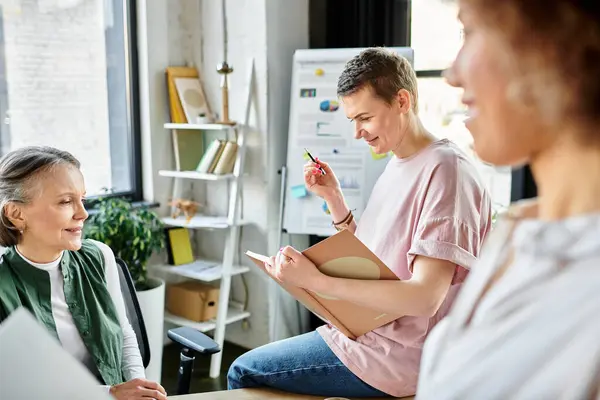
x=246, y=22
x=189, y=32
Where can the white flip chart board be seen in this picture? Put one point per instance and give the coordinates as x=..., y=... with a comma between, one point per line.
x=318, y=123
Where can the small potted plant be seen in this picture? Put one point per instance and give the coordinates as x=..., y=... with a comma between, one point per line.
x=134, y=235
x=202, y=118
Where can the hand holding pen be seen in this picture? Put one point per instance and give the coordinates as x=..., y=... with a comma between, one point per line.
x=315, y=161
x=320, y=179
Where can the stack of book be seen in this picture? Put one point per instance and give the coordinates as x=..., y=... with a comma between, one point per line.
x=219, y=158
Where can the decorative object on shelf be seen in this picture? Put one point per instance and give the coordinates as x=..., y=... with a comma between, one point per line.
x=224, y=69
x=202, y=118
x=188, y=207
x=175, y=107
x=191, y=97
x=134, y=235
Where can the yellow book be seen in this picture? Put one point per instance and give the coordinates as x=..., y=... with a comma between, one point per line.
x=179, y=246
x=175, y=107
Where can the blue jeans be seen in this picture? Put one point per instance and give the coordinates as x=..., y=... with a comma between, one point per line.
x=303, y=364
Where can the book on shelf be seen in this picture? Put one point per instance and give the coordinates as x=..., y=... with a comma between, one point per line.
x=179, y=246
x=211, y=155
x=342, y=255
x=196, y=99
x=227, y=159
x=175, y=107
x=188, y=149
x=219, y=158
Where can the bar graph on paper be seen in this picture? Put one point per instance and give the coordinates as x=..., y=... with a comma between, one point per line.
x=349, y=182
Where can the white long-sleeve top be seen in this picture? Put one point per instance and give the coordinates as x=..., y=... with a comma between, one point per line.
x=68, y=334
x=535, y=334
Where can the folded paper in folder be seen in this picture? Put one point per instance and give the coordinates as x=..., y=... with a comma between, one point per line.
x=342, y=255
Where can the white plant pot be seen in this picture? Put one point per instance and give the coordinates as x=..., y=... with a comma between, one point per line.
x=152, y=304
x=202, y=120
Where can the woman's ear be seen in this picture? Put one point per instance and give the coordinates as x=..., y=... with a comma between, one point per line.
x=404, y=101
x=14, y=213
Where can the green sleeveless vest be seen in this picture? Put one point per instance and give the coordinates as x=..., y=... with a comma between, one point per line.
x=88, y=299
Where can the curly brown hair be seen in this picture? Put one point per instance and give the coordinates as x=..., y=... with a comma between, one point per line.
x=556, y=44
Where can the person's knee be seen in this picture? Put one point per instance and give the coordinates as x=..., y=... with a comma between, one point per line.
x=234, y=375
x=243, y=372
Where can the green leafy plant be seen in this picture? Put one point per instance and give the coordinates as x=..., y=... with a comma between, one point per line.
x=132, y=234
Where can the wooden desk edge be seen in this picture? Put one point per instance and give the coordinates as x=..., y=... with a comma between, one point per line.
x=258, y=394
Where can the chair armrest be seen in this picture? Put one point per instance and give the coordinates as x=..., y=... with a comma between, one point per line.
x=194, y=340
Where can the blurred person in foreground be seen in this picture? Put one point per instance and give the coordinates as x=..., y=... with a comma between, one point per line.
x=526, y=324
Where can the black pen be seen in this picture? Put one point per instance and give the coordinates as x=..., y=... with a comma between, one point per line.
x=315, y=161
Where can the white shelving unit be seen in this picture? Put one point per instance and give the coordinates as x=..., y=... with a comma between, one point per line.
x=204, y=222
x=194, y=175
x=215, y=270
x=212, y=270
x=201, y=270
x=235, y=313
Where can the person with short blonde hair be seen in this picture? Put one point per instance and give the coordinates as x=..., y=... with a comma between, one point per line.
x=69, y=284
x=425, y=219
x=526, y=324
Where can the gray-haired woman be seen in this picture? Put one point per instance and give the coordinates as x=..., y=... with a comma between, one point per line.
x=69, y=284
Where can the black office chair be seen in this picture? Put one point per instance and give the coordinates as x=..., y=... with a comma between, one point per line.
x=192, y=342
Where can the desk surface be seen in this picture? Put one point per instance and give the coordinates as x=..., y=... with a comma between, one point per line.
x=254, y=394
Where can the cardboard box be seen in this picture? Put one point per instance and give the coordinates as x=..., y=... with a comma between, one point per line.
x=193, y=300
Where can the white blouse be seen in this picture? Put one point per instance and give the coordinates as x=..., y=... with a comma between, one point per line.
x=68, y=334
x=535, y=334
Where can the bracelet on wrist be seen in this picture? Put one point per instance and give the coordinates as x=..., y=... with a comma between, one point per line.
x=344, y=223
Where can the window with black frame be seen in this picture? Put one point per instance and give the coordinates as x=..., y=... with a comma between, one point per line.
x=68, y=79
x=436, y=37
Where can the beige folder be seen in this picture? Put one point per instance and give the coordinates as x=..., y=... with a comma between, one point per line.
x=342, y=255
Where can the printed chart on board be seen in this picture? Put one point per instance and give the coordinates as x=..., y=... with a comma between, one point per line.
x=318, y=123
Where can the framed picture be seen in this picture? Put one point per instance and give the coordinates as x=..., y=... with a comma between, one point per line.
x=191, y=97
x=177, y=111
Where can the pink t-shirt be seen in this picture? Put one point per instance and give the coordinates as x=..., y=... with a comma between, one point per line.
x=433, y=204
